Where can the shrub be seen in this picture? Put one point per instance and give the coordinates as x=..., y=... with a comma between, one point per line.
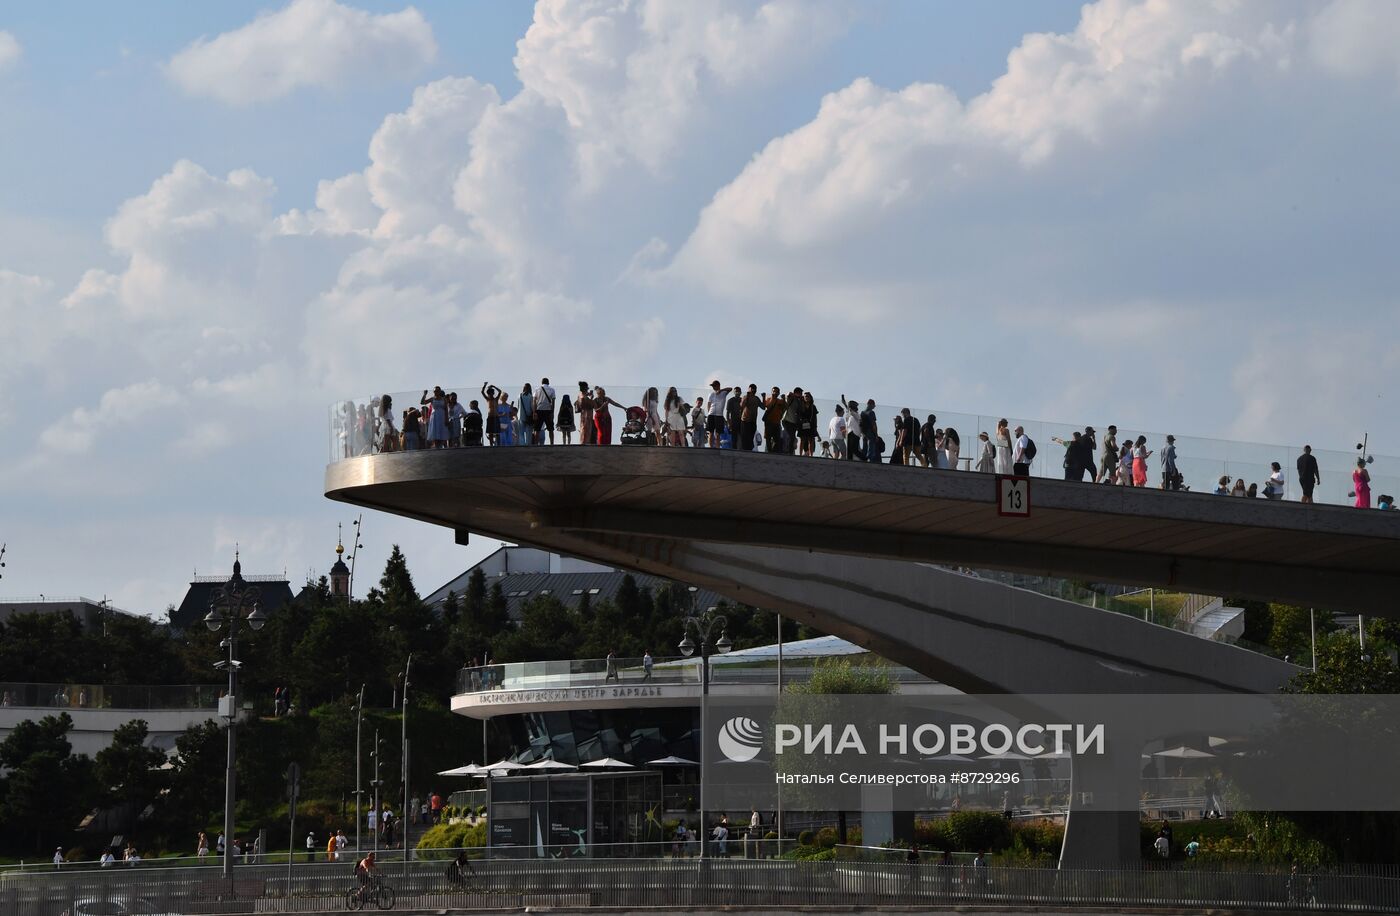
x=805, y=838
x=971, y=831
x=826, y=837
x=770, y=835
x=451, y=836
x=1040, y=838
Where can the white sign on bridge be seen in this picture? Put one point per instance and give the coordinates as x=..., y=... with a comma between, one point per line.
x=1013, y=495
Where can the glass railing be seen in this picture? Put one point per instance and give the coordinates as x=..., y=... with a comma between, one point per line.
x=595, y=672
x=362, y=426
x=578, y=672
x=108, y=696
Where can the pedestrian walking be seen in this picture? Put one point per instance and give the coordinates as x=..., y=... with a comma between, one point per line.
x=1308, y=474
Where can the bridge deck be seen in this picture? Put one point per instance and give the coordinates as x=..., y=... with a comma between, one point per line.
x=1326, y=556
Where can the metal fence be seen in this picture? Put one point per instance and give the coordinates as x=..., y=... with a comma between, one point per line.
x=693, y=883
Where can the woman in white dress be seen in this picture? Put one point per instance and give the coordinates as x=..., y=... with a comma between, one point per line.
x=986, y=461
x=677, y=418
x=1003, y=443
x=952, y=445
x=651, y=403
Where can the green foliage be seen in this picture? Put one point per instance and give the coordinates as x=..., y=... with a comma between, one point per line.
x=45, y=788
x=972, y=831
x=1342, y=668
x=197, y=781
x=841, y=676
x=126, y=769
x=460, y=835
x=806, y=838
x=805, y=853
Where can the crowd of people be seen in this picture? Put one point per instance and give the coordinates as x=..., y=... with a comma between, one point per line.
x=785, y=422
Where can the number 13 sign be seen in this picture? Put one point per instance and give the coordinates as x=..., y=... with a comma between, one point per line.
x=1013, y=495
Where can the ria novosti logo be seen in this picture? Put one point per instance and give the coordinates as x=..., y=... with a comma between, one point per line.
x=740, y=739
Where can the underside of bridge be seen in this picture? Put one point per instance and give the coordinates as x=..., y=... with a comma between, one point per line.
x=849, y=549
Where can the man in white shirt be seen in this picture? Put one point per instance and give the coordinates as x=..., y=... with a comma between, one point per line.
x=836, y=433
x=341, y=843
x=544, y=411
x=1021, y=464
x=372, y=820
x=58, y=857
x=714, y=412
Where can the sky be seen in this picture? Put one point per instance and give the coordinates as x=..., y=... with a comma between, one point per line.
x=218, y=219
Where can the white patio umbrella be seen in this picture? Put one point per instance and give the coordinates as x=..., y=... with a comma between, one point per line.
x=1007, y=755
x=549, y=765
x=470, y=769
x=1182, y=752
x=950, y=758
x=499, y=766
x=608, y=763
x=673, y=761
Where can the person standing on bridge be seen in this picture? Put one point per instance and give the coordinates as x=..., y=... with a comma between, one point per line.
x=714, y=412
x=870, y=432
x=750, y=408
x=1089, y=443
x=544, y=411
x=565, y=423
x=836, y=433
x=987, y=458
x=774, y=406
x=1025, y=453
x=1140, y=455
x=1361, y=483
x=1171, y=480
x=1308, y=475
x=1108, y=462
x=583, y=407
x=697, y=424
x=602, y=417
x=677, y=416
x=1003, y=444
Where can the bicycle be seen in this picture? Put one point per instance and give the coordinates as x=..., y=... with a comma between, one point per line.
x=376, y=890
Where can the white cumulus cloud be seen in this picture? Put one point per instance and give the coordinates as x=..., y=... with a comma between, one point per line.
x=10, y=50
x=308, y=43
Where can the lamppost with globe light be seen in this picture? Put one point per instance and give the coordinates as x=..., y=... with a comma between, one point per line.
x=703, y=626
x=233, y=603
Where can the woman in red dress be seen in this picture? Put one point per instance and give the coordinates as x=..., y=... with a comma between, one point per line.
x=602, y=418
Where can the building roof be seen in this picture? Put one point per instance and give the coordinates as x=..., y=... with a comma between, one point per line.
x=274, y=593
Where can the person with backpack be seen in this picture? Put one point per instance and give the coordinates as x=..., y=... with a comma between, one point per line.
x=1025, y=453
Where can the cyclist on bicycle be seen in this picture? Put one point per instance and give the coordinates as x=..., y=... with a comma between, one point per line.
x=365, y=872
x=459, y=868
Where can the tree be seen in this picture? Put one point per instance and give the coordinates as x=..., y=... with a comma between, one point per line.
x=126, y=768
x=45, y=648
x=197, y=780
x=808, y=702
x=46, y=786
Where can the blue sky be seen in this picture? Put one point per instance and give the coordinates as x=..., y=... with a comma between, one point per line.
x=217, y=218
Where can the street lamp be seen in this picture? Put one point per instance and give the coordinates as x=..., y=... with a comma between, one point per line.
x=233, y=603
x=403, y=764
x=359, y=784
x=703, y=626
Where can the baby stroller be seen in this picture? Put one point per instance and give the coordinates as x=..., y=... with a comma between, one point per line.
x=634, y=431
